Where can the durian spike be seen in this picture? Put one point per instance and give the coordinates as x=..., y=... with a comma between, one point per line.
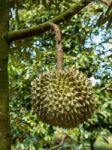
x=59, y=50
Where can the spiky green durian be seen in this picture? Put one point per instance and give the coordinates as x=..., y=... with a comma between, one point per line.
x=62, y=98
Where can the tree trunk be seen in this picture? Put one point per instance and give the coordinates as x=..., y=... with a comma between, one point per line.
x=92, y=144
x=5, y=138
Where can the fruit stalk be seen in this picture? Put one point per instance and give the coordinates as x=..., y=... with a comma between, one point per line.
x=59, y=50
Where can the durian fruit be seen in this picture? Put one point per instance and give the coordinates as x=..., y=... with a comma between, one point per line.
x=62, y=98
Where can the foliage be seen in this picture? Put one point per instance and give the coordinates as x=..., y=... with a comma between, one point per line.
x=86, y=42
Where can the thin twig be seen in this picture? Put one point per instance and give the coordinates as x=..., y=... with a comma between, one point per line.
x=61, y=143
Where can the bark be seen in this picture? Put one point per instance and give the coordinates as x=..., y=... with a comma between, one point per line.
x=5, y=138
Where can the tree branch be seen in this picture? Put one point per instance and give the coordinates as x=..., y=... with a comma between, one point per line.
x=106, y=2
x=33, y=31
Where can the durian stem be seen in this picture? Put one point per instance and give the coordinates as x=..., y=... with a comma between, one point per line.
x=59, y=50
